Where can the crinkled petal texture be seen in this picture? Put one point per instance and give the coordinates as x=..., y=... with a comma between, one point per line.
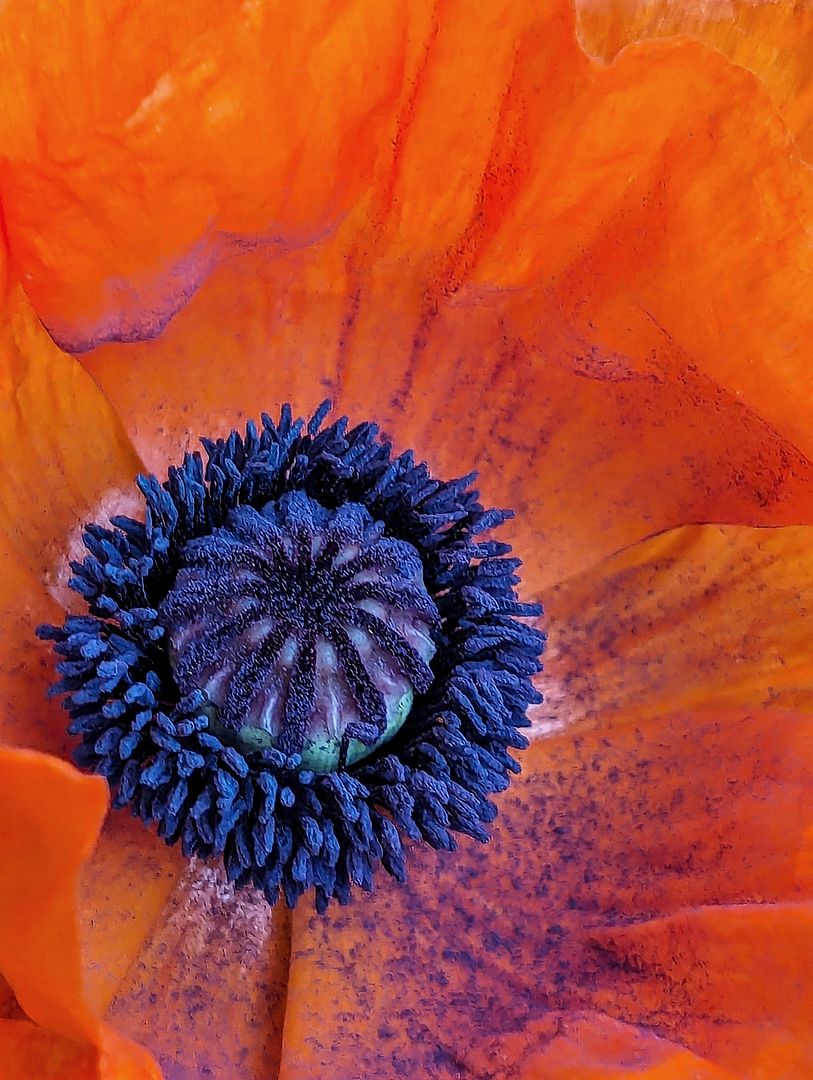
x=40, y=955
x=544, y=285
x=646, y=902
x=454, y=222
x=97, y=105
x=454, y=149
x=624, y=880
x=772, y=40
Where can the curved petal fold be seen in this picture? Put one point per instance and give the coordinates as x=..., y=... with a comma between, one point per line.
x=61, y=445
x=698, y=617
x=602, y=831
x=771, y=40
x=589, y=464
x=43, y=851
x=153, y=140
x=733, y=979
x=594, y=1047
x=553, y=181
x=626, y=220
x=66, y=458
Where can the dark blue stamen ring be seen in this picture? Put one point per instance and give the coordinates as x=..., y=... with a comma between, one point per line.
x=304, y=653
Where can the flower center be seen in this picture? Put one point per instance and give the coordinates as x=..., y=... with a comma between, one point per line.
x=307, y=629
x=254, y=639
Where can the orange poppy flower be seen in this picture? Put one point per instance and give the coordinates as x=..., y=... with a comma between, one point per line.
x=517, y=245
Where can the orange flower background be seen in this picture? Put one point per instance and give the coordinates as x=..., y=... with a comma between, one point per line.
x=516, y=236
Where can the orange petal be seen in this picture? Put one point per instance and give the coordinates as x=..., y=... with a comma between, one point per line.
x=66, y=458
x=29, y=1051
x=478, y=201
x=150, y=140
x=470, y=958
x=124, y=890
x=582, y=460
x=733, y=979
x=28, y=717
x=515, y=309
x=773, y=41
x=619, y=212
x=617, y=238
x=697, y=617
x=590, y=1046
x=40, y=956
x=593, y=1047
x=55, y=422
x=207, y=992
x=44, y=849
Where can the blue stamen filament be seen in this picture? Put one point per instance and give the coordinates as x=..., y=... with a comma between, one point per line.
x=304, y=653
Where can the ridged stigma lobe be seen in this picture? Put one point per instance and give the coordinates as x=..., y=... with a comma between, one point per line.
x=307, y=629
